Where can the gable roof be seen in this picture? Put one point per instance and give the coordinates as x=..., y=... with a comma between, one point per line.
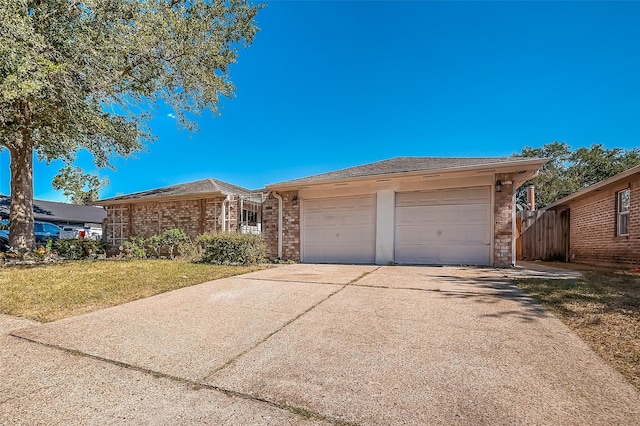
x=403, y=165
x=58, y=212
x=184, y=190
x=629, y=174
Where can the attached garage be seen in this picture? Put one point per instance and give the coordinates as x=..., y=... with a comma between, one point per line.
x=406, y=210
x=447, y=226
x=339, y=230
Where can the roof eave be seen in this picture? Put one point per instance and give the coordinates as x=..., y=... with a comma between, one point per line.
x=596, y=186
x=539, y=162
x=153, y=199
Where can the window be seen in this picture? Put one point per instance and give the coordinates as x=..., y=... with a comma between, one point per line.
x=249, y=217
x=50, y=229
x=623, y=203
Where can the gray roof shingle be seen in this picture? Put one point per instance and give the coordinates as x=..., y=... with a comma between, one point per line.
x=204, y=186
x=402, y=165
x=58, y=212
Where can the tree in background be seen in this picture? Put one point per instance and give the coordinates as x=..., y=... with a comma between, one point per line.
x=86, y=74
x=569, y=171
x=77, y=186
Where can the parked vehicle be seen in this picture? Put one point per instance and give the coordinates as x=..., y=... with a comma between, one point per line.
x=43, y=231
x=71, y=231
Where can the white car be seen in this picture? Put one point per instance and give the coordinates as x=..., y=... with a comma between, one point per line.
x=73, y=232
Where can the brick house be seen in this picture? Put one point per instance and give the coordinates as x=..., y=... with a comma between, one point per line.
x=407, y=210
x=206, y=205
x=604, y=221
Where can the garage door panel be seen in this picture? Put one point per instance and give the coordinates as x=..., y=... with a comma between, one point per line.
x=419, y=215
x=467, y=234
x=472, y=255
x=420, y=254
x=449, y=226
x=339, y=230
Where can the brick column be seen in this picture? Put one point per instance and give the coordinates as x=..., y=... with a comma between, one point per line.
x=503, y=252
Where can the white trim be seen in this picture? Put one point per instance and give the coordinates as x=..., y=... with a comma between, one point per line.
x=513, y=229
x=620, y=213
x=385, y=226
x=493, y=223
x=513, y=166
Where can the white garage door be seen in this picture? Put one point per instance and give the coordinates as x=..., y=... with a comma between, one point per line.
x=444, y=227
x=340, y=230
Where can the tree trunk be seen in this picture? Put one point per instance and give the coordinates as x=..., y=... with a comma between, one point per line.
x=21, y=236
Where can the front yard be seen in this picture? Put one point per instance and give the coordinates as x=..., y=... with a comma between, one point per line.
x=55, y=291
x=603, y=308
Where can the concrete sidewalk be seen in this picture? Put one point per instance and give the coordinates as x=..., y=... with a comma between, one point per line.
x=325, y=344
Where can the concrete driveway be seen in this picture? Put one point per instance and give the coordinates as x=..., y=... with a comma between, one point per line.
x=315, y=344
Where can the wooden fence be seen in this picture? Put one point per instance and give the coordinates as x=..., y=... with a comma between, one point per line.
x=542, y=235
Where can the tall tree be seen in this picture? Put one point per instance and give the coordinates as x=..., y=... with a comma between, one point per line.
x=77, y=186
x=86, y=74
x=569, y=171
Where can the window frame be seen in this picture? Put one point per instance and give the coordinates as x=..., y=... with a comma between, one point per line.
x=621, y=212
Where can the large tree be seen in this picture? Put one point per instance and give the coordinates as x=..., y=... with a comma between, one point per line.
x=568, y=171
x=79, y=187
x=85, y=74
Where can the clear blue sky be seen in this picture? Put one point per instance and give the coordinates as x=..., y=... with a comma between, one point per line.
x=333, y=84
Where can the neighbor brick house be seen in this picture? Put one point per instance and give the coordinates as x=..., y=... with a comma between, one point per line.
x=407, y=210
x=207, y=205
x=604, y=220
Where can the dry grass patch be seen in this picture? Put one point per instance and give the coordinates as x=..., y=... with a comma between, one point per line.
x=603, y=308
x=54, y=291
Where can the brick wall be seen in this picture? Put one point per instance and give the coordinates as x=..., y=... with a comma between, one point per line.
x=194, y=217
x=270, y=225
x=290, y=225
x=503, y=223
x=593, y=228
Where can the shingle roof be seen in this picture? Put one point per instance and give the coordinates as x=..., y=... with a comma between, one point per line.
x=58, y=212
x=585, y=192
x=204, y=186
x=402, y=165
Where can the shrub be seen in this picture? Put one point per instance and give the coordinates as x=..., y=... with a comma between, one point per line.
x=190, y=251
x=232, y=249
x=134, y=248
x=79, y=248
x=154, y=246
x=172, y=238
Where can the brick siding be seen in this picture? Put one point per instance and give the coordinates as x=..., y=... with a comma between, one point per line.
x=503, y=223
x=593, y=224
x=194, y=217
x=290, y=225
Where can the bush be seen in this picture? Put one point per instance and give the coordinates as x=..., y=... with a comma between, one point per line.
x=172, y=238
x=134, y=248
x=232, y=249
x=79, y=248
x=167, y=244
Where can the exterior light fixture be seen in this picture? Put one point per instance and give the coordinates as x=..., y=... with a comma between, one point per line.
x=498, y=185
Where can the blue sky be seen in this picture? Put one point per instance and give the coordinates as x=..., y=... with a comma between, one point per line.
x=333, y=84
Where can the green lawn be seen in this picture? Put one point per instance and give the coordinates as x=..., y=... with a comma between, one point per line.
x=54, y=291
x=603, y=308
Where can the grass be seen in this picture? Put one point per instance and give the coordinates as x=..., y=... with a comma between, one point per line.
x=55, y=291
x=603, y=308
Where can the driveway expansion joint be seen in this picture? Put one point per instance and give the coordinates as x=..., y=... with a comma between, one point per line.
x=299, y=411
x=286, y=324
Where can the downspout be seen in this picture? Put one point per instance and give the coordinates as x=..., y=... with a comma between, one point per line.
x=224, y=214
x=279, y=198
